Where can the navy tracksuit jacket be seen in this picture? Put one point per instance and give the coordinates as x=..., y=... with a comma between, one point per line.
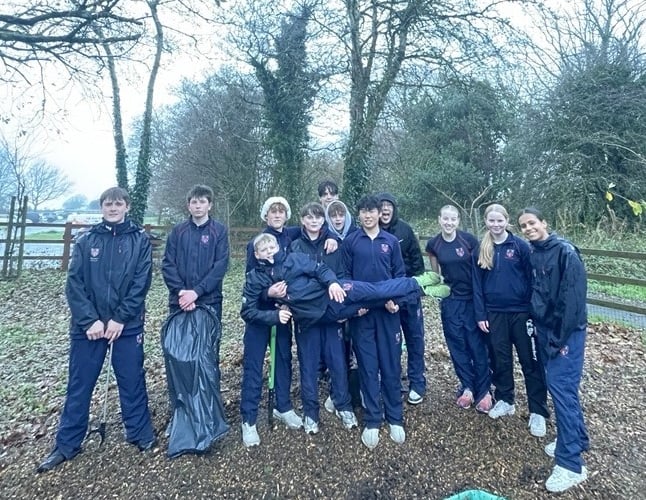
x=376, y=336
x=109, y=277
x=501, y=296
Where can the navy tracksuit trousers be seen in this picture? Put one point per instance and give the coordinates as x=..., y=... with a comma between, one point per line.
x=412, y=323
x=506, y=331
x=256, y=340
x=467, y=346
x=86, y=360
x=376, y=339
x=322, y=340
x=563, y=376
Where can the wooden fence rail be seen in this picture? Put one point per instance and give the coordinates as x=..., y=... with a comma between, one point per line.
x=239, y=236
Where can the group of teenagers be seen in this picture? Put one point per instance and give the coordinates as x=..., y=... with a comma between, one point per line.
x=346, y=293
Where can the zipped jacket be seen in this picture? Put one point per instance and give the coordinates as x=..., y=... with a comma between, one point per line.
x=307, y=289
x=109, y=277
x=196, y=258
x=559, y=289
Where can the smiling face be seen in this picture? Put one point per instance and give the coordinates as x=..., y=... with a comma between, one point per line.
x=449, y=220
x=114, y=211
x=496, y=223
x=369, y=219
x=312, y=223
x=533, y=228
x=327, y=197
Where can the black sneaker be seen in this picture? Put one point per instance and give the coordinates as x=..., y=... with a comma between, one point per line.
x=54, y=459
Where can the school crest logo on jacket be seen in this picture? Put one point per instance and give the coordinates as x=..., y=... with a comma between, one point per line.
x=205, y=239
x=460, y=252
x=385, y=248
x=510, y=253
x=94, y=254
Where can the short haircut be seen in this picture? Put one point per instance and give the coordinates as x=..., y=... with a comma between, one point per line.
x=369, y=202
x=200, y=191
x=264, y=238
x=315, y=209
x=328, y=186
x=115, y=194
x=336, y=208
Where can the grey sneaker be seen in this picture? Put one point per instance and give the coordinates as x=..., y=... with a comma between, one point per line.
x=329, y=405
x=537, y=427
x=414, y=398
x=289, y=418
x=249, y=435
x=348, y=418
x=311, y=426
x=370, y=437
x=397, y=433
x=502, y=409
x=563, y=479
x=550, y=449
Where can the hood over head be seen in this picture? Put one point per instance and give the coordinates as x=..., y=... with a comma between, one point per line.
x=390, y=199
x=347, y=224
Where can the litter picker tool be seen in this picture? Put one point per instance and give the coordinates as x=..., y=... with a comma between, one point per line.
x=100, y=430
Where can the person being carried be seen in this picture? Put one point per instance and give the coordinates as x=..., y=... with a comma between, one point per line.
x=313, y=294
x=109, y=277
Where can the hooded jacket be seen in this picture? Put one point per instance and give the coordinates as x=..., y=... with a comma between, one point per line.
x=559, y=289
x=109, y=277
x=307, y=289
x=196, y=258
x=315, y=249
x=410, y=247
x=348, y=225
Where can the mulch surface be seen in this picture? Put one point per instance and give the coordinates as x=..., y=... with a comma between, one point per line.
x=447, y=450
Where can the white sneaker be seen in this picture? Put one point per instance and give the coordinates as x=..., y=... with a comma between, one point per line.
x=563, y=479
x=250, y=435
x=550, y=449
x=501, y=409
x=348, y=418
x=536, y=425
x=397, y=433
x=311, y=426
x=370, y=437
x=414, y=398
x=289, y=418
x=329, y=405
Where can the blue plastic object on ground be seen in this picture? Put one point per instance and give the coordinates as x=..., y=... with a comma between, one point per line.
x=475, y=495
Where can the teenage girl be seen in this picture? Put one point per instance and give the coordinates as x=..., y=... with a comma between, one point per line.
x=501, y=294
x=559, y=309
x=451, y=253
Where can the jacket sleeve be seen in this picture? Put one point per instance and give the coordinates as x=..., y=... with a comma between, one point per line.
x=216, y=273
x=78, y=296
x=251, y=258
x=478, y=276
x=398, y=268
x=412, y=253
x=251, y=299
x=169, y=265
x=138, y=283
x=570, y=304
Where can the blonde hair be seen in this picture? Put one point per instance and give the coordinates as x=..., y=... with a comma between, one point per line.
x=264, y=238
x=485, y=256
x=450, y=208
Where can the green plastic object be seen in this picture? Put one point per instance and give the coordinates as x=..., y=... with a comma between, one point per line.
x=475, y=495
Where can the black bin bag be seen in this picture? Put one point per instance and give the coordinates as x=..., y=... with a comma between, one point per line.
x=190, y=342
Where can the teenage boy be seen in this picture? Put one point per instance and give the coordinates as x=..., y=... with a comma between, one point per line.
x=197, y=256
x=412, y=319
x=275, y=211
x=371, y=254
x=315, y=296
x=322, y=340
x=109, y=276
x=328, y=192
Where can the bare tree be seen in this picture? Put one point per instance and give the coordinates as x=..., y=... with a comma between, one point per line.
x=44, y=182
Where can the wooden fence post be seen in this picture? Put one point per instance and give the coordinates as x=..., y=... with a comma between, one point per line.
x=67, y=246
